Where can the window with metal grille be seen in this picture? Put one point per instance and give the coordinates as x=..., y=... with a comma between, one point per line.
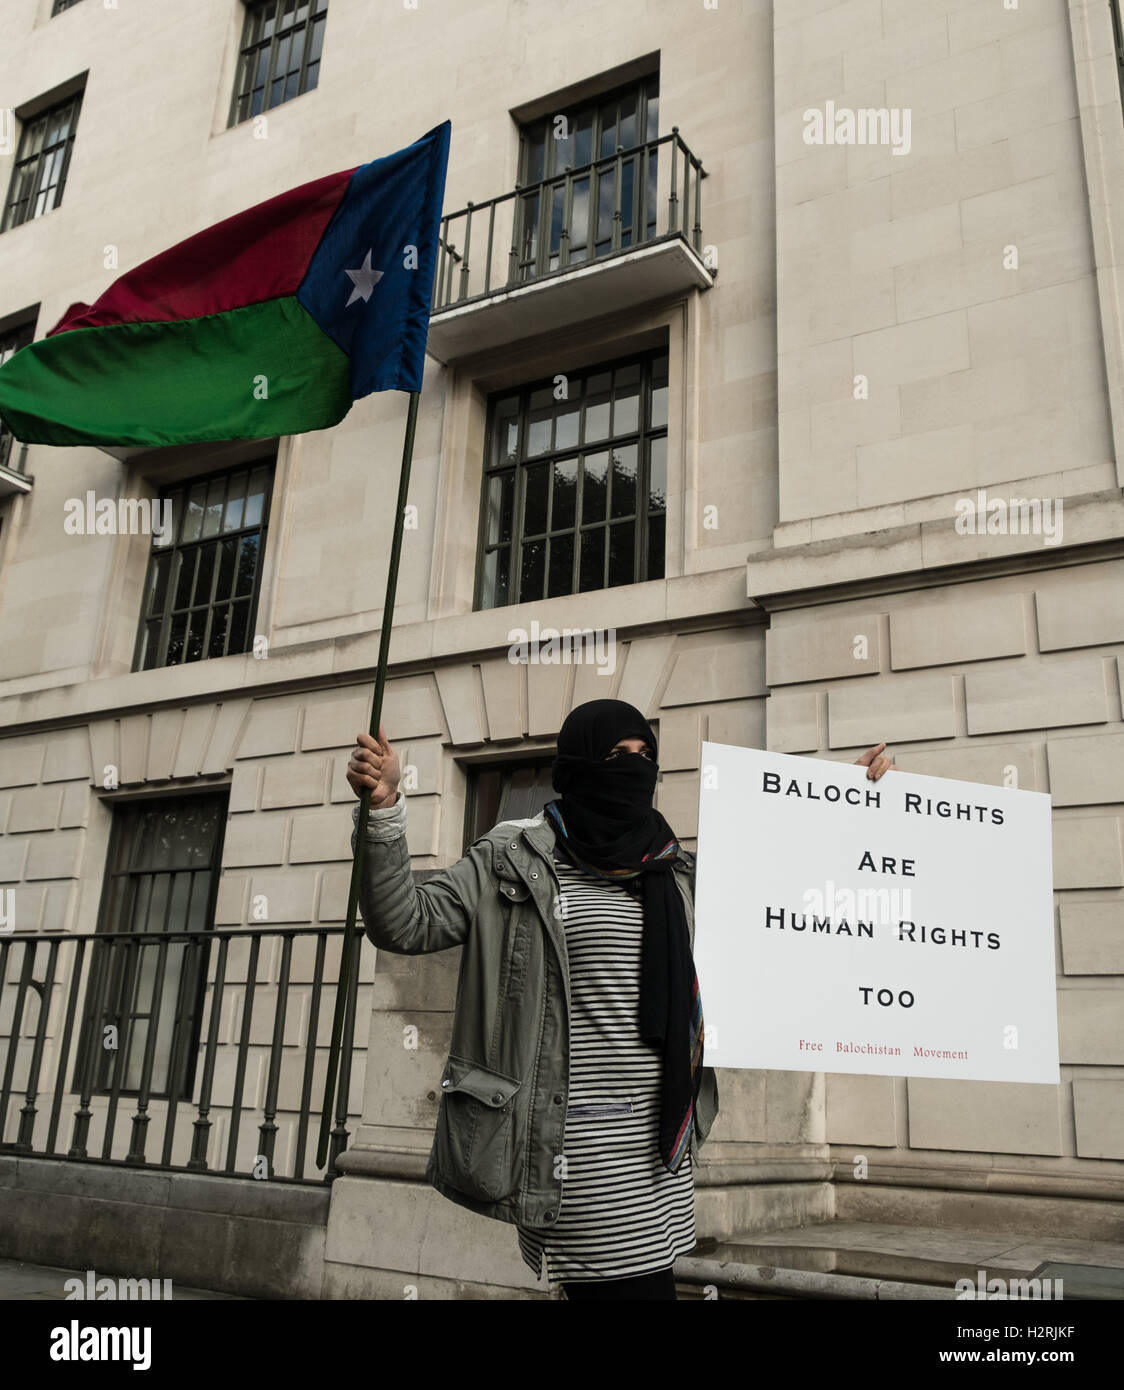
x=161, y=878
x=575, y=189
x=42, y=162
x=60, y=5
x=505, y=791
x=10, y=343
x=280, y=56
x=575, y=484
x=201, y=591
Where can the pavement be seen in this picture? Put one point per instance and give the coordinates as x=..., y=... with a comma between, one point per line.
x=25, y=1281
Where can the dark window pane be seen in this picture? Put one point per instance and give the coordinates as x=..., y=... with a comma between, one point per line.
x=624, y=481
x=488, y=579
x=175, y=640
x=216, y=645
x=565, y=494
x=158, y=584
x=531, y=577
x=592, y=559
x=204, y=574
x=247, y=565
x=561, y=576
x=185, y=578
x=655, y=547
x=534, y=508
x=225, y=585
x=622, y=548
x=657, y=473
x=239, y=616
x=195, y=633
x=595, y=473
x=503, y=578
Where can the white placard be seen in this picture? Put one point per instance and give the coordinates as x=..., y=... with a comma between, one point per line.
x=903, y=927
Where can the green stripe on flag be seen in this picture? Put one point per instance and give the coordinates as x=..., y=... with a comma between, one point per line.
x=249, y=373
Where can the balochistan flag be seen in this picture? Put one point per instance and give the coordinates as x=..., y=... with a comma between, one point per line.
x=271, y=322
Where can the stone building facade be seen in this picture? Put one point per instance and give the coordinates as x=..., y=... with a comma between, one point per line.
x=864, y=336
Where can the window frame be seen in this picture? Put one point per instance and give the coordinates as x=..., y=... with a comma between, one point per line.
x=186, y=485
x=642, y=435
x=533, y=232
x=24, y=329
x=249, y=48
x=536, y=761
x=112, y=984
x=8, y=221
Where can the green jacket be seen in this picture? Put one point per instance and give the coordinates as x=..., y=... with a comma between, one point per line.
x=502, y=1113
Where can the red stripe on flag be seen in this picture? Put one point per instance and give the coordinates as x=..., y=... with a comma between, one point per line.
x=254, y=256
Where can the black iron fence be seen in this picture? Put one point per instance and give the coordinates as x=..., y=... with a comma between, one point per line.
x=569, y=219
x=183, y=1050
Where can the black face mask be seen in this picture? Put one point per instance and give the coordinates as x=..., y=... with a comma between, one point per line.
x=607, y=804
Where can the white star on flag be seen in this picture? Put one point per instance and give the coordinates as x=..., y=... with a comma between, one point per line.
x=364, y=279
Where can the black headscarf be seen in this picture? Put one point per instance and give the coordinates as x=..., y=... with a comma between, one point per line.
x=605, y=823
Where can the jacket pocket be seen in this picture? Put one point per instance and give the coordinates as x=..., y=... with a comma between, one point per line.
x=473, y=1142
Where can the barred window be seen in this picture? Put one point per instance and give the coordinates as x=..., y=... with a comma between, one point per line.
x=575, y=488
x=42, y=162
x=570, y=209
x=280, y=58
x=60, y=5
x=10, y=343
x=201, y=592
x=161, y=877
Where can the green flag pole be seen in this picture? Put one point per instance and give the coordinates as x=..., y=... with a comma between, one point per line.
x=349, y=956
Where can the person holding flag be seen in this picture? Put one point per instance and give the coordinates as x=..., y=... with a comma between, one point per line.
x=575, y=1096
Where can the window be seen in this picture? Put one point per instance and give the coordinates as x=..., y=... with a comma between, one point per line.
x=575, y=490
x=569, y=211
x=281, y=45
x=201, y=591
x=42, y=162
x=10, y=343
x=60, y=5
x=161, y=877
x=505, y=791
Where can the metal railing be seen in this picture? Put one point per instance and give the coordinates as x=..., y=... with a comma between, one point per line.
x=575, y=217
x=164, y=1023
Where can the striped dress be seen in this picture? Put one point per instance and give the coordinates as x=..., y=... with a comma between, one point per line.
x=622, y=1212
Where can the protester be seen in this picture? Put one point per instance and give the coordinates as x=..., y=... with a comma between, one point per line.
x=574, y=1098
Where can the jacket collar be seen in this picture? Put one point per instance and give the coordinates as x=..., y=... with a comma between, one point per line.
x=539, y=834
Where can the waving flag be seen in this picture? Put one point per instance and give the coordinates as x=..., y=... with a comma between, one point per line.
x=271, y=322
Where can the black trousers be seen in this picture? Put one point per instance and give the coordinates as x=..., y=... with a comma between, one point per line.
x=661, y=1284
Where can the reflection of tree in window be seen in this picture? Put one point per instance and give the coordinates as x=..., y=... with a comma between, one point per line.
x=575, y=488
x=201, y=590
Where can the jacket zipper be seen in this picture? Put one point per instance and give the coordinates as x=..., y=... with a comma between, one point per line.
x=538, y=1052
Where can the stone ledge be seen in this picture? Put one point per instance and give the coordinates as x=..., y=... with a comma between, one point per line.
x=800, y=1283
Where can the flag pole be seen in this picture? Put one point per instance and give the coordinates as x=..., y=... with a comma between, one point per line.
x=349, y=956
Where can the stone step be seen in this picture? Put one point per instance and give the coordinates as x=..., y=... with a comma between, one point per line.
x=868, y=1260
